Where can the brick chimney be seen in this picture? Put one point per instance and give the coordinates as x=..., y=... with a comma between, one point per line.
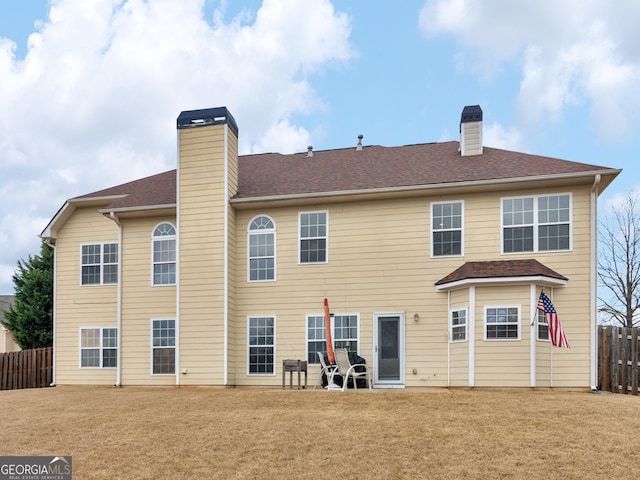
x=471, y=131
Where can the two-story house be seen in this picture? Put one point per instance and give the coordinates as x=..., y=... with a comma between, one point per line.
x=432, y=257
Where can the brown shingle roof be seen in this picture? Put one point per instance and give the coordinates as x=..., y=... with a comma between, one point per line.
x=375, y=167
x=500, y=269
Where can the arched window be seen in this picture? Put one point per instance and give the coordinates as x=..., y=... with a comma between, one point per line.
x=164, y=254
x=262, y=249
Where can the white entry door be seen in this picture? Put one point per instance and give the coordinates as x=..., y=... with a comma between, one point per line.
x=389, y=349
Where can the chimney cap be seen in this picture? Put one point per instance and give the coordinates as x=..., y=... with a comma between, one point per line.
x=471, y=113
x=359, y=145
x=310, y=151
x=206, y=116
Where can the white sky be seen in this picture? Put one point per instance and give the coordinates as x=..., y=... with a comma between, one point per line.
x=90, y=89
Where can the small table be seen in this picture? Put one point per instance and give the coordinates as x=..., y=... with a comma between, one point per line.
x=294, y=366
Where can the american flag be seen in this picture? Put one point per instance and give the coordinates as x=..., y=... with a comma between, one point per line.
x=556, y=334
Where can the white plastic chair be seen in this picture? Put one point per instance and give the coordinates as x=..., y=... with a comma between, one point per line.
x=328, y=370
x=346, y=370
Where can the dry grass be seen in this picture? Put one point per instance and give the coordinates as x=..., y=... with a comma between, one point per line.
x=139, y=433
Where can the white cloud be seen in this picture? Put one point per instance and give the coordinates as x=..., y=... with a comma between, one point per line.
x=575, y=53
x=95, y=99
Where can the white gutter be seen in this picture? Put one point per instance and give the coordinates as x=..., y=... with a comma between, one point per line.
x=539, y=279
x=593, y=283
x=498, y=183
x=114, y=217
x=225, y=288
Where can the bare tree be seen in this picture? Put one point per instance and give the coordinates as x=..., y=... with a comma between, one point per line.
x=619, y=264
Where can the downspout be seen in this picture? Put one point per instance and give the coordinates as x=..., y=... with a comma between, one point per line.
x=533, y=337
x=449, y=338
x=52, y=244
x=177, y=355
x=593, y=294
x=472, y=336
x=225, y=288
x=113, y=217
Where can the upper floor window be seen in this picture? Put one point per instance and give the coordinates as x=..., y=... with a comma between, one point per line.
x=98, y=347
x=99, y=264
x=446, y=229
x=536, y=224
x=262, y=249
x=458, y=325
x=502, y=323
x=164, y=254
x=313, y=237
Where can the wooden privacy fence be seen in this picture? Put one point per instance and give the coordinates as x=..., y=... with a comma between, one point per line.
x=26, y=369
x=618, y=359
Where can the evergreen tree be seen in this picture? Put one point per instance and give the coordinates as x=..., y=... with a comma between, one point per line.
x=30, y=318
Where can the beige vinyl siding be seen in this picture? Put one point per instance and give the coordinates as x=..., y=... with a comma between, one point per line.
x=379, y=262
x=502, y=362
x=201, y=239
x=142, y=301
x=81, y=306
x=459, y=360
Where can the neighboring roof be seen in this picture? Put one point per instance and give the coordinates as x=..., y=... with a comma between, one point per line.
x=501, y=271
x=6, y=301
x=273, y=175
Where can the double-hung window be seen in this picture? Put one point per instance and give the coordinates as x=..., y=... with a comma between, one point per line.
x=536, y=224
x=98, y=347
x=502, y=323
x=163, y=347
x=458, y=325
x=313, y=230
x=164, y=254
x=446, y=229
x=261, y=332
x=99, y=264
x=262, y=249
x=344, y=332
x=543, y=326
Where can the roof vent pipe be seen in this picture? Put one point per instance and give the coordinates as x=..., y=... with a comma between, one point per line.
x=310, y=151
x=359, y=146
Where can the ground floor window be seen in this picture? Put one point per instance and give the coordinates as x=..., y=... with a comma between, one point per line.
x=98, y=347
x=163, y=347
x=262, y=345
x=344, y=332
x=502, y=323
x=543, y=326
x=458, y=325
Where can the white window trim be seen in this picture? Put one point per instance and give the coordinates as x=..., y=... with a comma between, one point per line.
x=275, y=249
x=466, y=325
x=152, y=347
x=535, y=224
x=275, y=363
x=153, y=263
x=326, y=237
x=461, y=202
x=540, y=315
x=486, y=324
x=102, y=264
x=100, y=348
x=333, y=330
